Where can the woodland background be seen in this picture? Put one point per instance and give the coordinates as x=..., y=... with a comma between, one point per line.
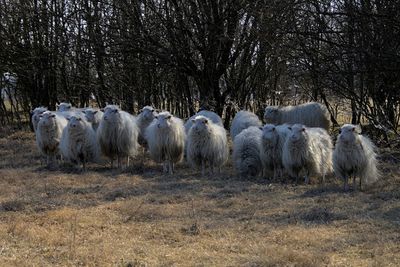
x=223, y=55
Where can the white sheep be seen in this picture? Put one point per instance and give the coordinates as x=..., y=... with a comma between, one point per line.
x=246, y=152
x=36, y=116
x=48, y=134
x=207, y=144
x=93, y=116
x=63, y=106
x=146, y=116
x=78, y=142
x=272, y=141
x=166, y=140
x=310, y=114
x=355, y=155
x=206, y=113
x=308, y=149
x=243, y=120
x=117, y=134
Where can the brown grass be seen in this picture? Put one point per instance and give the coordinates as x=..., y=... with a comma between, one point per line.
x=138, y=217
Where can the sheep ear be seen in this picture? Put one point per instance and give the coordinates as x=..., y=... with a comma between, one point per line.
x=94, y=112
x=357, y=129
x=169, y=117
x=303, y=129
x=156, y=116
x=68, y=118
x=273, y=129
x=140, y=110
x=193, y=120
x=340, y=131
x=261, y=128
x=53, y=115
x=290, y=128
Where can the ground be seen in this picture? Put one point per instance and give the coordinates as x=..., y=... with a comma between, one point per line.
x=139, y=217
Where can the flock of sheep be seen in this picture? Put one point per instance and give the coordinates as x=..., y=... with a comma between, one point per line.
x=295, y=141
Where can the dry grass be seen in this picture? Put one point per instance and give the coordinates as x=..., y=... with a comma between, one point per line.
x=139, y=217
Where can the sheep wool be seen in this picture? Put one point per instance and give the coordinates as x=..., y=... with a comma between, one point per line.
x=246, y=152
x=272, y=141
x=93, y=116
x=146, y=116
x=243, y=120
x=78, y=142
x=355, y=155
x=310, y=114
x=166, y=140
x=308, y=149
x=48, y=134
x=117, y=134
x=207, y=144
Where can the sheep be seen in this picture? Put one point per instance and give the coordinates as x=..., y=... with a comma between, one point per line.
x=272, y=141
x=166, y=140
x=207, y=144
x=208, y=114
x=63, y=106
x=117, y=134
x=36, y=116
x=78, y=141
x=146, y=116
x=246, y=152
x=355, y=155
x=48, y=134
x=242, y=120
x=93, y=116
x=309, y=149
x=310, y=114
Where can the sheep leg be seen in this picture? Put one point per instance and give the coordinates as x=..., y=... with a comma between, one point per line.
x=307, y=178
x=127, y=162
x=203, y=167
x=346, y=186
x=170, y=168
x=165, y=168
x=360, y=183
x=354, y=183
x=119, y=161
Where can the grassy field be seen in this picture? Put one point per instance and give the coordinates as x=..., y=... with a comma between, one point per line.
x=138, y=217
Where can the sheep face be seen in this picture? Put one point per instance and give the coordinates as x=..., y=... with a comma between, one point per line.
x=200, y=123
x=298, y=133
x=164, y=120
x=348, y=133
x=48, y=119
x=112, y=114
x=64, y=106
x=75, y=123
x=148, y=112
x=270, y=114
x=36, y=114
x=269, y=134
x=90, y=114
